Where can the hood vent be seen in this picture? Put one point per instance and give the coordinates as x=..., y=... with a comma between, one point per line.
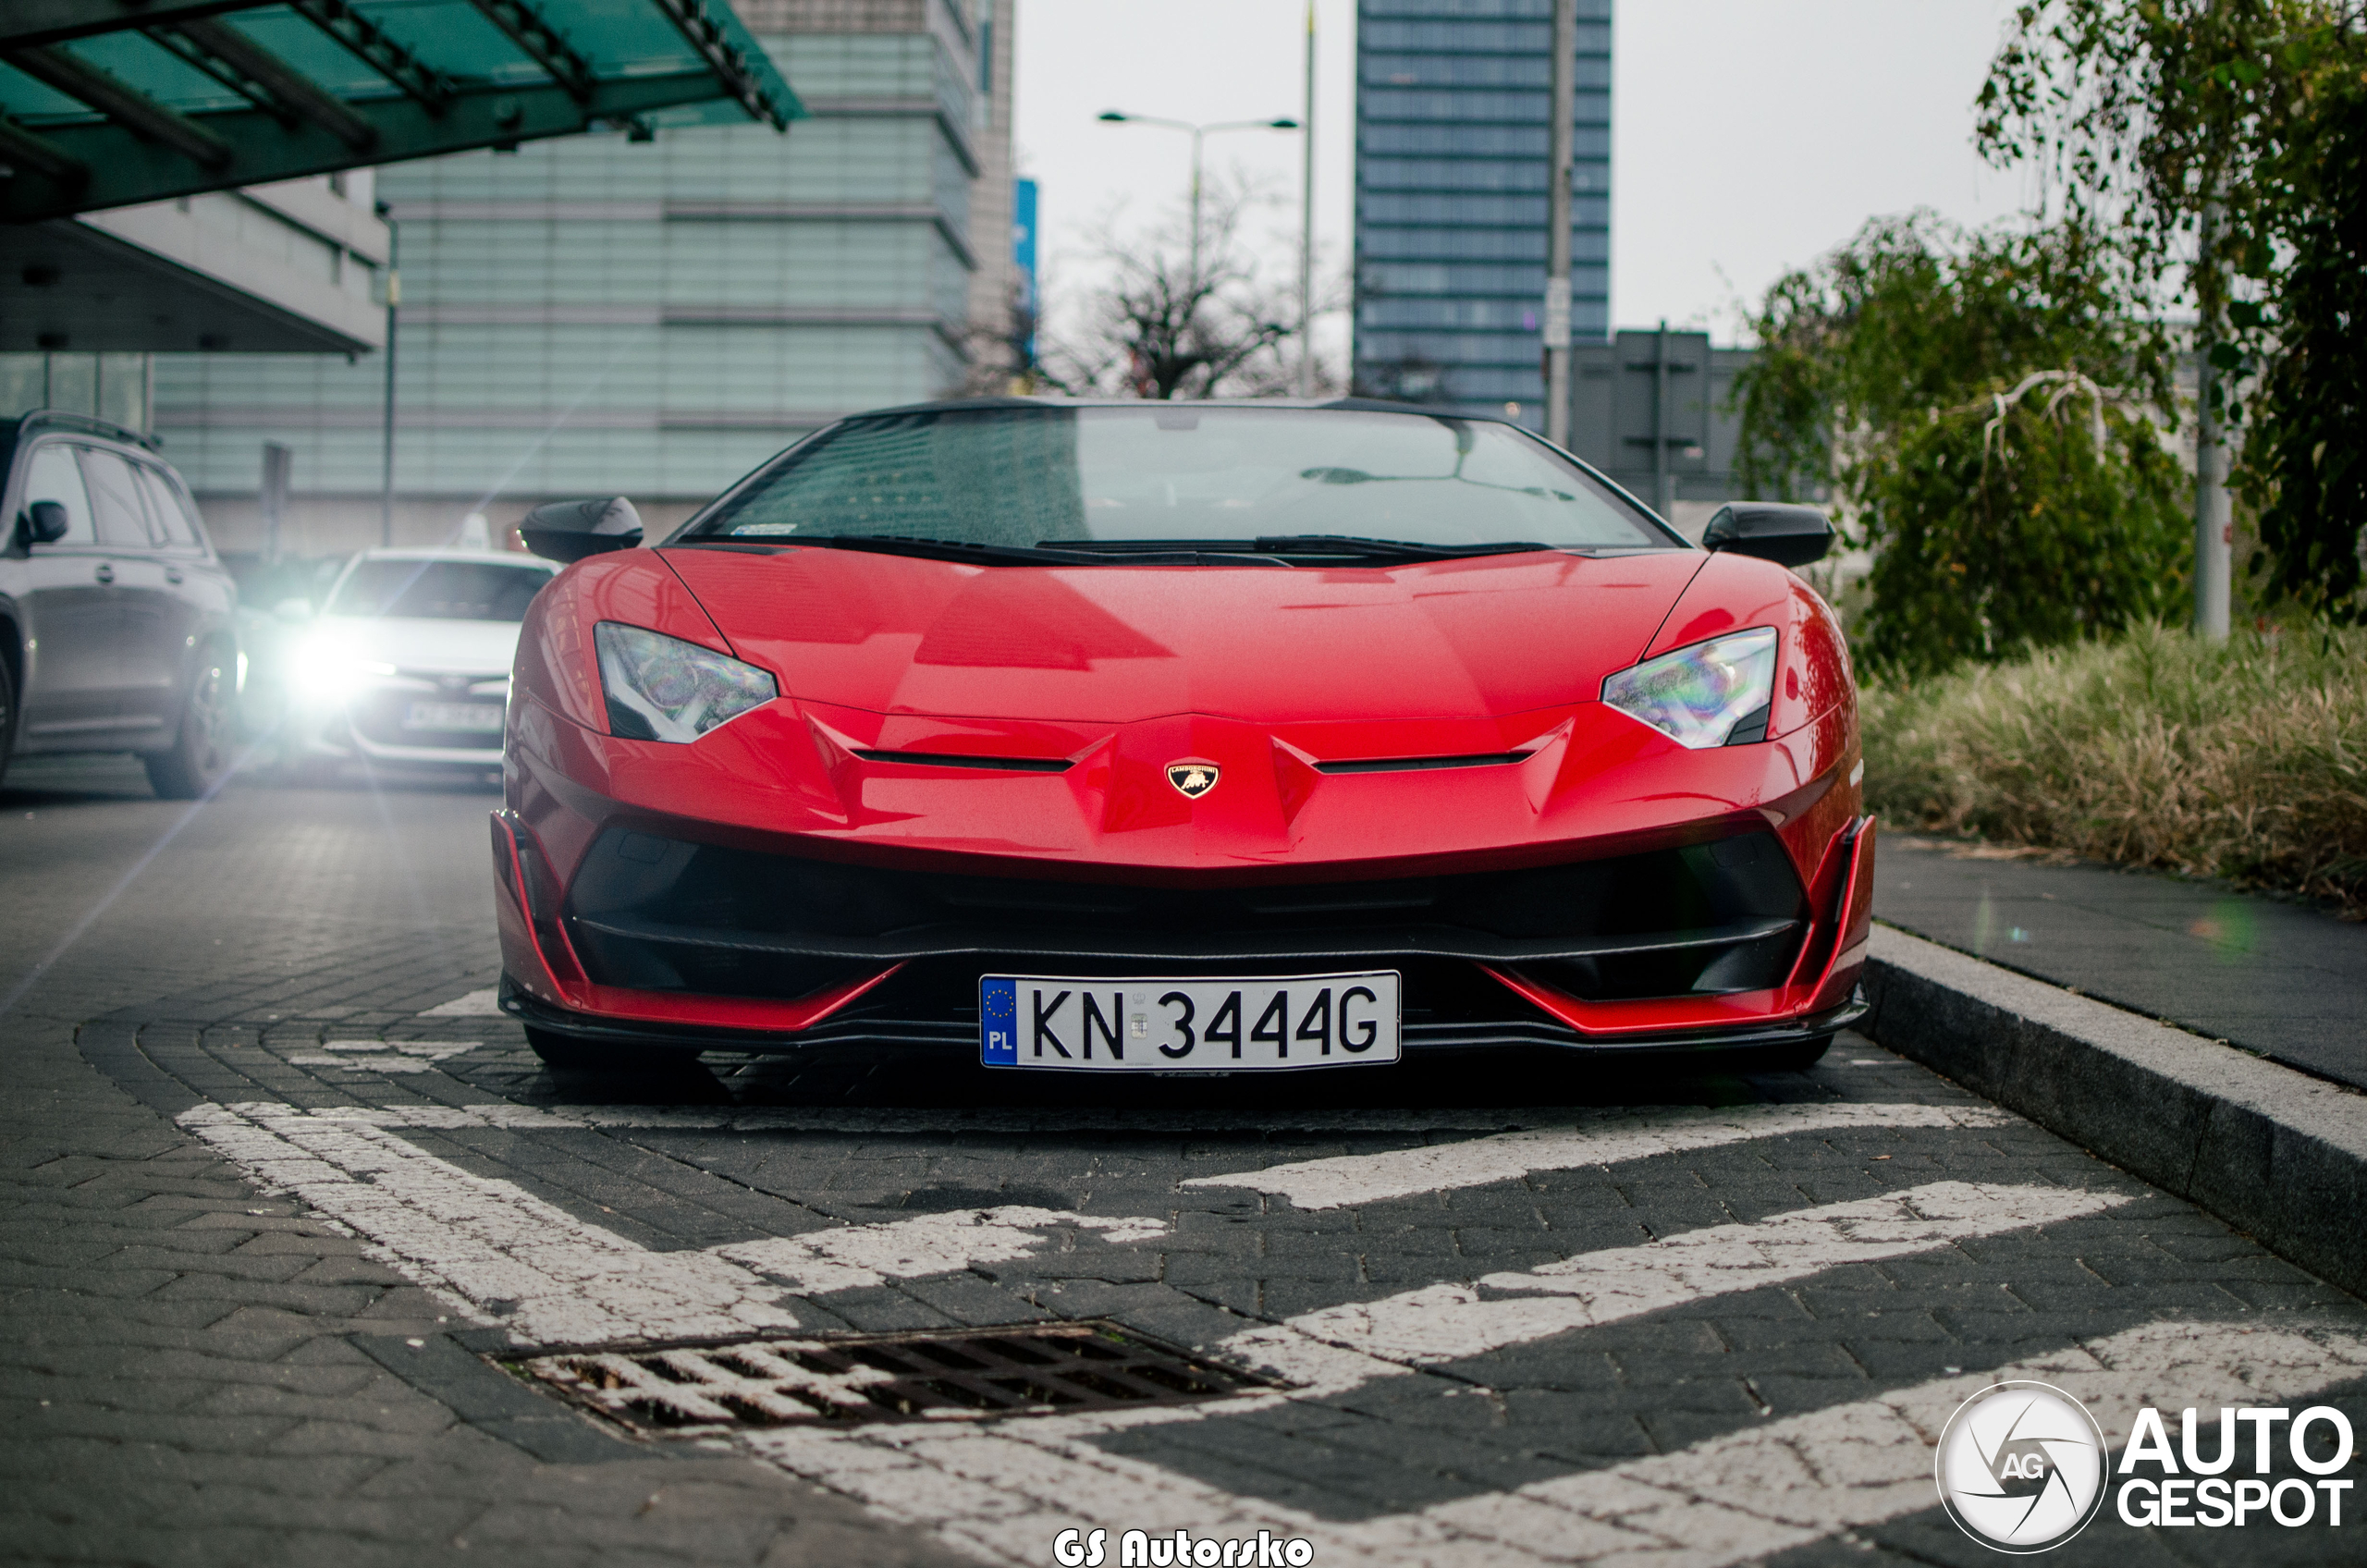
x=942, y=759
x=1416, y=765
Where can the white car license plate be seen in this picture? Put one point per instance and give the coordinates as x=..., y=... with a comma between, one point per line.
x=1166, y=1026
x=483, y=717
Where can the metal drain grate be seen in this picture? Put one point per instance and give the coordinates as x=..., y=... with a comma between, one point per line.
x=964, y=1375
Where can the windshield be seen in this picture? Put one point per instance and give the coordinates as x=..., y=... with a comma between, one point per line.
x=1167, y=472
x=439, y=590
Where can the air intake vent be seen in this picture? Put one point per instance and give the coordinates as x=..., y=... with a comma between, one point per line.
x=1418, y=765
x=942, y=759
x=965, y=1375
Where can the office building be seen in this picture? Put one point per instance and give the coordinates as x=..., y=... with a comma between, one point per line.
x=1452, y=130
x=647, y=315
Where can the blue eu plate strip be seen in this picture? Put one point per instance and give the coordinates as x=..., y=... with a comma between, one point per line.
x=999, y=1022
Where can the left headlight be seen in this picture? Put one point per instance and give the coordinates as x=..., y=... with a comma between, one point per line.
x=1713, y=694
x=660, y=687
x=327, y=669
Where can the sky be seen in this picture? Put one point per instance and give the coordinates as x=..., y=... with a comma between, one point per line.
x=1748, y=136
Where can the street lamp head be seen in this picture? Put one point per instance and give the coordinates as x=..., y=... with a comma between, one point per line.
x=1285, y=123
x=1113, y=117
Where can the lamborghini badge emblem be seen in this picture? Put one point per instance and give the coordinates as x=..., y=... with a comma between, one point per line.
x=1193, y=779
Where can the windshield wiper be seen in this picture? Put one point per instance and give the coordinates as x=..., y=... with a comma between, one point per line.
x=1264, y=550
x=944, y=549
x=1395, y=549
x=1267, y=547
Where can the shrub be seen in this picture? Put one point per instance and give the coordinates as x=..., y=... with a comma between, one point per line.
x=2018, y=522
x=2246, y=759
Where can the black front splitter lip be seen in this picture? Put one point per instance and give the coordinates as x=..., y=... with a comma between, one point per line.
x=1422, y=1041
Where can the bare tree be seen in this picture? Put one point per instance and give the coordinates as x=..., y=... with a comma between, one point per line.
x=1002, y=355
x=1179, y=320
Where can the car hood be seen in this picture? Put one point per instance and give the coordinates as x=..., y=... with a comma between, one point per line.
x=431, y=647
x=1481, y=638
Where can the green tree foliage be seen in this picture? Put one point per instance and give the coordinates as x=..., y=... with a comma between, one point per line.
x=1894, y=378
x=2304, y=469
x=2025, y=520
x=2223, y=143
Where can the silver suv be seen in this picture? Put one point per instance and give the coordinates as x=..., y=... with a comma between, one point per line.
x=116, y=631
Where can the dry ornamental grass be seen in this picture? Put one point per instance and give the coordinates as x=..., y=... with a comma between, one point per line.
x=2246, y=760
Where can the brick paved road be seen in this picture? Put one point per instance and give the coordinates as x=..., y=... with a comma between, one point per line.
x=275, y=1200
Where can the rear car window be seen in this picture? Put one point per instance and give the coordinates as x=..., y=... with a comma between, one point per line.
x=439, y=590
x=116, y=506
x=50, y=474
x=168, y=510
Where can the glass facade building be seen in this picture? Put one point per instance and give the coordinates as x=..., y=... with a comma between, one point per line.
x=618, y=314
x=1453, y=122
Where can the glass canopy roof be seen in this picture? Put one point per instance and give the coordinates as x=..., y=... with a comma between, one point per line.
x=108, y=102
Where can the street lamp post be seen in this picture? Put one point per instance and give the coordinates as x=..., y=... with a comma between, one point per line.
x=1306, y=222
x=386, y=414
x=1200, y=133
x=1557, y=218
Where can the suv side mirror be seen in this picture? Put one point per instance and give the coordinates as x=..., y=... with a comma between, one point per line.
x=568, y=530
x=1784, y=535
x=45, y=522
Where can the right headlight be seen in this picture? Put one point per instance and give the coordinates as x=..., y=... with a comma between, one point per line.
x=1712, y=693
x=660, y=687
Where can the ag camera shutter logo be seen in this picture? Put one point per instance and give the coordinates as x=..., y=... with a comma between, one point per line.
x=2021, y=1467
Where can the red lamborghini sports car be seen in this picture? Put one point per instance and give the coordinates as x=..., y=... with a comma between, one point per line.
x=1206, y=737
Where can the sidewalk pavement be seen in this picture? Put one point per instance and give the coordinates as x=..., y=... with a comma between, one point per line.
x=2287, y=981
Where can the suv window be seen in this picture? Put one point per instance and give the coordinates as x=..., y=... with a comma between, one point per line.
x=116, y=506
x=167, y=508
x=51, y=475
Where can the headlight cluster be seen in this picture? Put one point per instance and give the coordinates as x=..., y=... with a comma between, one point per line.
x=328, y=669
x=1712, y=693
x=660, y=687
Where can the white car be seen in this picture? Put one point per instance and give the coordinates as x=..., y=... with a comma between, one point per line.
x=407, y=665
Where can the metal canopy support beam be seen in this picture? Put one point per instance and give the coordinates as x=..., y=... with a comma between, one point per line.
x=731, y=69
x=526, y=26
x=26, y=22
x=21, y=148
x=231, y=57
x=126, y=169
x=123, y=104
x=427, y=86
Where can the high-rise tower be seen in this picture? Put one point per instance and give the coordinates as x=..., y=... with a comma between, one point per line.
x=1451, y=123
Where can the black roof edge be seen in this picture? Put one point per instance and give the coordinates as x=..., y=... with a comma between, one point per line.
x=1393, y=405
x=82, y=424
x=1350, y=405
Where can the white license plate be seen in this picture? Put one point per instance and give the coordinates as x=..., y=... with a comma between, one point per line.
x=1197, y=1025
x=485, y=717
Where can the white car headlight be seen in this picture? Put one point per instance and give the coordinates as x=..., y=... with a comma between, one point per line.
x=327, y=669
x=660, y=687
x=1700, y=696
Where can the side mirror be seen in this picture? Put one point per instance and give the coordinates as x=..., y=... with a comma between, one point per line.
x=45, y=522
x=295, y=612
x=568, y=530
x=1786, y=535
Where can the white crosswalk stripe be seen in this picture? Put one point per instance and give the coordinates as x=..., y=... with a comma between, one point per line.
x=491, y=1244
x=499, y=1251
x=1609, y=1139
x=857, y=1255
x=1341, y=1347
x=1004, y=1491
x=475, y=1004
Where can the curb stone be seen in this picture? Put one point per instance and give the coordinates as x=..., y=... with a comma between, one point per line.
x=2274, y=1152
